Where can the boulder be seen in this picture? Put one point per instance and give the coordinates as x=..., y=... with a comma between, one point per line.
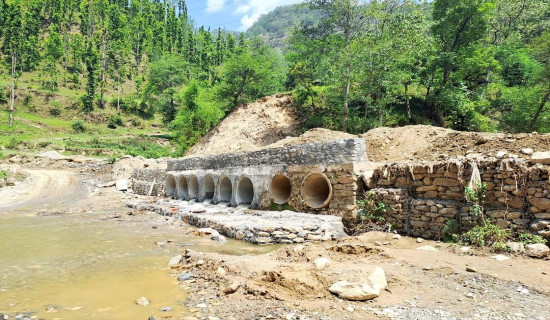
x=515, y=247
x=537, y=250
x=321, y=263
x=175, y=260
x=122, y=185
x=527, y=151
x=232, y=288
x=354, y=291
x=142, y=301
x=184, y=276
x=361, y=291
x=541, y=157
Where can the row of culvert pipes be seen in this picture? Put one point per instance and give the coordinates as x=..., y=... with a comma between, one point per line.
x=316, y=189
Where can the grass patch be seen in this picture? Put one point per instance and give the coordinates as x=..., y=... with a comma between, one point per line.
x=138, y=146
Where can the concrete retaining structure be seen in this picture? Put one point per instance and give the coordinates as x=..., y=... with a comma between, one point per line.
x=329, y=178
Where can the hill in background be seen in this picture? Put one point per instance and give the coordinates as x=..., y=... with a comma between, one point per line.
x=275, y=26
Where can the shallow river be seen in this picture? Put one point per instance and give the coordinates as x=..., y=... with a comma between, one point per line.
x=79, y=266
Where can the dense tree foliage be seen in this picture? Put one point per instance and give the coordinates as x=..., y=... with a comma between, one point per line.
x=469, y=65
x=351, y=64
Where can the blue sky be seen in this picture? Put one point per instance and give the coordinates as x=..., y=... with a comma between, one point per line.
x=235, y=15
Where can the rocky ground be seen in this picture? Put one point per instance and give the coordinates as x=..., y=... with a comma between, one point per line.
x=425, y=279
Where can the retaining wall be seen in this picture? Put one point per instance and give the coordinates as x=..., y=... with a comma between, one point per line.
x=143, y=179
x=326, y=153
x=422, y=198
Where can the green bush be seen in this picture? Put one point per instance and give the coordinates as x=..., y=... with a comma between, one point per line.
x=55, y=111
x=529, y=238
x=3, y=174
x=114, y=122
x=487, y=234
x=13, y=144
x=79, y=126
x=371, y=214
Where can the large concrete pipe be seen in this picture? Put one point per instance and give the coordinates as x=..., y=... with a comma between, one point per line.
x=183, y=190
x=245, y=191
x=225, y=190
x=280, y=189
x=193, y=183
x=171, y=191
x=316, y=190
x=209, y=187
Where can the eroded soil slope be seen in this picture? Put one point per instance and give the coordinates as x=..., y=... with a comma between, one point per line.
x=250, y=127
x=272, y=122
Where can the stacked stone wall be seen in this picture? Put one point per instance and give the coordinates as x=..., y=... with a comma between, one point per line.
x=326, y=153
x=143, y=179
x=432, y=194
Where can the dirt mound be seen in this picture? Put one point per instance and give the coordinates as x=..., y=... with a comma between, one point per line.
x=250, y=127
x=415, y=143
x=313, y=135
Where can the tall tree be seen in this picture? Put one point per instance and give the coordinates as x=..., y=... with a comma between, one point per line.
x=346, y=20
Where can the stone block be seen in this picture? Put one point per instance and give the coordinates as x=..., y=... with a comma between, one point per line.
x=446, y=182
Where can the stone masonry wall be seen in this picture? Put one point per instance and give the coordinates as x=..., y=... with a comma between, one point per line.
x=326, y=153
x=422, y=198
x=142, y=179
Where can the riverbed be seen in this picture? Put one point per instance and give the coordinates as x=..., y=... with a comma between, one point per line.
x=61, y=259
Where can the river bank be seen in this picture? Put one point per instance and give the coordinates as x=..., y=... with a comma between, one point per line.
x=74, y=251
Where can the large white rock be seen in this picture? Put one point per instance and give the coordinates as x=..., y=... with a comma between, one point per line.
x=142, y=301
x=361, y=291
x=537, y=250
x=541, y=157
x=378, y=279
x=321, y=263
x=175, y=260
x=122, y=185
x=427, y=248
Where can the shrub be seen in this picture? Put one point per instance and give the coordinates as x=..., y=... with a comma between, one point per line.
x=3, y=174
x=487, y=234
x=13, y=144
x=136, y=122
x=79, y=126
x=114, y=121
x=55, y=111
x=529, y=238
x=371, y=214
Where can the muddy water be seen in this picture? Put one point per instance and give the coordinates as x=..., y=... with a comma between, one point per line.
x=81, y=266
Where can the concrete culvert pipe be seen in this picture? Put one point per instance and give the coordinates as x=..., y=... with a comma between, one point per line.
x=170, y=189
x=208, y=187
x=316, y=190
x=193, y=187
x=183, y=190
x=280, y=189
x=225, y=190
x=245, y=191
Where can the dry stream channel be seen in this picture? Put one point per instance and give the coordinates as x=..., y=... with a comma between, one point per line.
x=82, y=265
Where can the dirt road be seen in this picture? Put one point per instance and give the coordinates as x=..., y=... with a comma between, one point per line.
x=42, y=189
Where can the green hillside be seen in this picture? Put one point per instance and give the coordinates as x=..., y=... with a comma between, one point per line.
x=109, y=77
x=275, y=27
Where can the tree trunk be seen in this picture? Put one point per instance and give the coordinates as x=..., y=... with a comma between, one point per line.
x=539, y=111
x=118, y=97
x=12, y=90
x=409, y=112
x=103, y=66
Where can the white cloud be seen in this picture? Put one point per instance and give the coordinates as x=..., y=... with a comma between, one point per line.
x=214, y=5
x=253, y=9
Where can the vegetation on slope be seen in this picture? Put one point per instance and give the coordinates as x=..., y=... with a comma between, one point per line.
x=109, y=69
